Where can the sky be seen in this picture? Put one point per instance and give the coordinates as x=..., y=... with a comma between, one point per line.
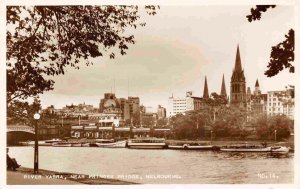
x=175, y=51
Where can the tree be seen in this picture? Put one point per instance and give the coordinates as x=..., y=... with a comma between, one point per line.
x=148, y=121
x=216, y=100
x=230, y=122
x=256, y=13
x=281, y=124
x=43, y=40
x=136, y=118
x=22, y=112
x=162, y=122
x=188, y=126
x=282, y=55
x=265, y=127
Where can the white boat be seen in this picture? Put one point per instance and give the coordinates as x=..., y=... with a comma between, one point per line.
x=191, y=146
x=245, y=148
x=76, y=144
x=147, y=143
x=279, y=150
x=110, y=143
x=85, y=144
x=62, y=144
x=42, y=142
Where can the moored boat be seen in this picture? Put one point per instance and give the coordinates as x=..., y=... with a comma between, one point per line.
x=85, y=144
x=245, y=148
x=193, y=146
x=279, y=150
x=147, y=143
x=110, y=143
x=78, y=144
x=62, y=144
x=42, y=142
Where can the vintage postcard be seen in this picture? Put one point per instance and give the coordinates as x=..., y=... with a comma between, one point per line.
x=150, y=93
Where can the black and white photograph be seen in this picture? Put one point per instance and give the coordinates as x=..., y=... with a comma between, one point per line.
x=137, y=94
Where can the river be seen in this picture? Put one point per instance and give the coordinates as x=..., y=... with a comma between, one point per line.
x=161, y=166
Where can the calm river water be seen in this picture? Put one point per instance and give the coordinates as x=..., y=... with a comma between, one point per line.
x=161, y=166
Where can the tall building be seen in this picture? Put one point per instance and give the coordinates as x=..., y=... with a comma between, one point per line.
x=161, y=112
x=238, y=83
x=128, y=109
x=181, y=105
x=110, y=104
x=134, y=107
x=125, y=109
x=281, y=103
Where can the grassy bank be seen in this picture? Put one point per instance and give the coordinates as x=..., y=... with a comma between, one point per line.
x=79, y=178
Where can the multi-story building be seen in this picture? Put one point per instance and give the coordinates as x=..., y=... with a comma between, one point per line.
x=181, y=105
x=110, y=104
x=256, y=102
x=281, y=102
x=134, y=104
x=92, y=131
x=127, y=109
x=49, y=110
x=161, y=112
x=134, y=109
x=105, y=119
x=72, y=110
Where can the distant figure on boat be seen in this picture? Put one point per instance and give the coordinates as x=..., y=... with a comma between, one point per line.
x=11, y=162
x=264, y=144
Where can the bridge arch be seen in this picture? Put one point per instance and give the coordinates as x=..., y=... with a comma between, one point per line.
x=19, y=133
x=20, y=128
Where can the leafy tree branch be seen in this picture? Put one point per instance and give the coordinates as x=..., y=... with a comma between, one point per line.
x=43, y=40
x=282, y=55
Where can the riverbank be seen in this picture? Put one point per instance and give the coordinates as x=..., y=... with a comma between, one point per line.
x=25, y=176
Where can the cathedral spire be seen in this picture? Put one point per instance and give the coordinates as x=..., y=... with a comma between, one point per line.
x=257, y=90
x=238, y=83
x=238, y=64
x=256, y=83
x=205, y=91
x=223, y=88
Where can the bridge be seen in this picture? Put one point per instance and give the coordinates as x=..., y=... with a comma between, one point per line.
x=20, y=128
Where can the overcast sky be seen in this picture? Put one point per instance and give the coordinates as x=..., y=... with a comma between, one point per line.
x=174, y=52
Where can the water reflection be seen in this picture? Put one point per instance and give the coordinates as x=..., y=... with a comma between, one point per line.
x=250, y=155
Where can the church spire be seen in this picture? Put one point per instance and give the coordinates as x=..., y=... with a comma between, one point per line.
x=257, y=90
x=223, y=88
x=238, y=64
x=256, y=83
x=238, y=83
x=205, y=92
